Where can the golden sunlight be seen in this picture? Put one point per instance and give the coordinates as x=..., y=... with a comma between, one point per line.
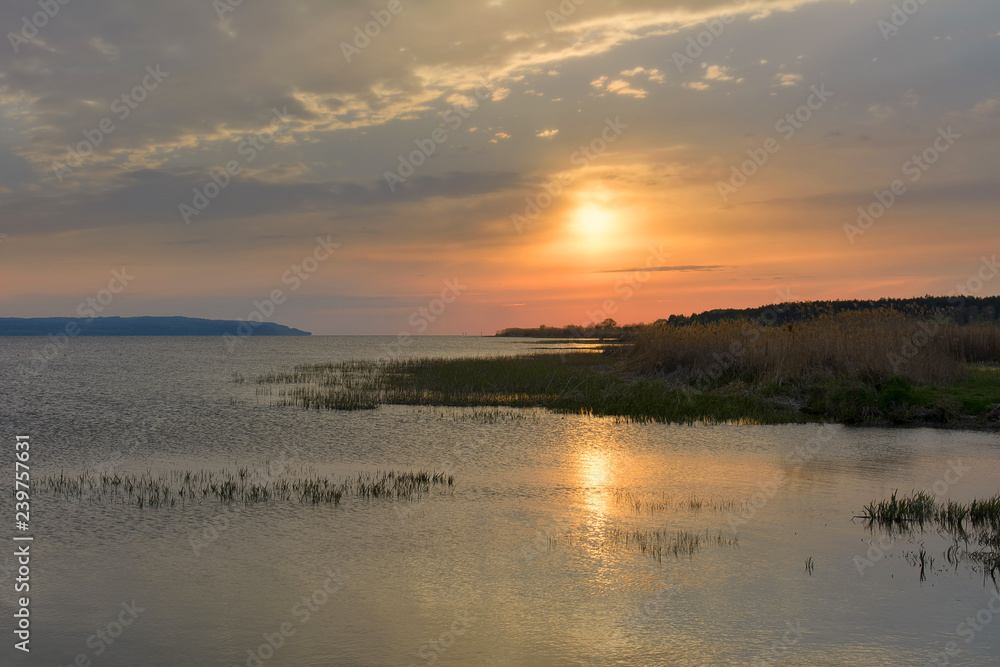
x=593, y=221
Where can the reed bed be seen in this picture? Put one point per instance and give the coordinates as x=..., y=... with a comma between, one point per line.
x=242, y=486
x=922, y=507
x=976, y=522
x=664, y=502
x=583, y=383
x=872, y=346
x=523, y=381
x=489, y=415
x=873, y=367
x=664, y=542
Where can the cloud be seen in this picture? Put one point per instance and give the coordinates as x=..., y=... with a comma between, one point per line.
x=677, y=269
x=356, y=120
x=622, y=87
x=718, y=73
x=881, y=112
x=653, y=75
x=788, y=79
x=153, y=197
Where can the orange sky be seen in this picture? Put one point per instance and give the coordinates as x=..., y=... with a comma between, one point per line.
x=727, y=145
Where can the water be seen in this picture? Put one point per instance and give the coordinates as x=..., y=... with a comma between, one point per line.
x=512, y=567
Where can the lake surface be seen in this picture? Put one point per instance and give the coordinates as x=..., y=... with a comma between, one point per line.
x=514, y=565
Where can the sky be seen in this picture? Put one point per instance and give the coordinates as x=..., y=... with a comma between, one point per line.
x=446, y=167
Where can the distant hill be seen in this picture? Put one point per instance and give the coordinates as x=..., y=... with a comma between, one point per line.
x=962, y=310
x=140, y=326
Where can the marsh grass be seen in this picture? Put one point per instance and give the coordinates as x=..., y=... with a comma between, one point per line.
x=974, y=527
x=243, y=486
x=663, y=502
x=488, y=415
x=874, y=367
x=665, y=542
x=578, y=382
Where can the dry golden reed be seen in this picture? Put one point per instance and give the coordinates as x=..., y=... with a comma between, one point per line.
x=872, y=345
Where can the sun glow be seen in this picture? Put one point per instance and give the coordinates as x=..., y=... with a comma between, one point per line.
x=593, y=221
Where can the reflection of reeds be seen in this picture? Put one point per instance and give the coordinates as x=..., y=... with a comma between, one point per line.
x=663, y=502
x=661, y=542
x=242, y=486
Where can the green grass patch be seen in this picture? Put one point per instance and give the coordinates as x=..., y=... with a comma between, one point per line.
x=975, y=393
x=600, y=384
x=576, y=382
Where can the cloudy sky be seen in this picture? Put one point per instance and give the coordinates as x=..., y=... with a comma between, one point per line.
x=529, y=159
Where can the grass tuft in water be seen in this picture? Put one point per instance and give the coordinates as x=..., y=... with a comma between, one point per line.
x=664, y=542
x=975, y=523
x=243, y=486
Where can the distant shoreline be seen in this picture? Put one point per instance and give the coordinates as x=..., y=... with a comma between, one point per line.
x=140, y=326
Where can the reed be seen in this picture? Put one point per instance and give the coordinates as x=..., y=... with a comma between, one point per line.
x=664, y=542
x=872, y=346
x=242, y=486
x=853, y=367
x=650, y=504
x=583, y=383
x=974, y=523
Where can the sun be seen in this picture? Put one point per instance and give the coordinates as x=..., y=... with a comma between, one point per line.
x=593, y=222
